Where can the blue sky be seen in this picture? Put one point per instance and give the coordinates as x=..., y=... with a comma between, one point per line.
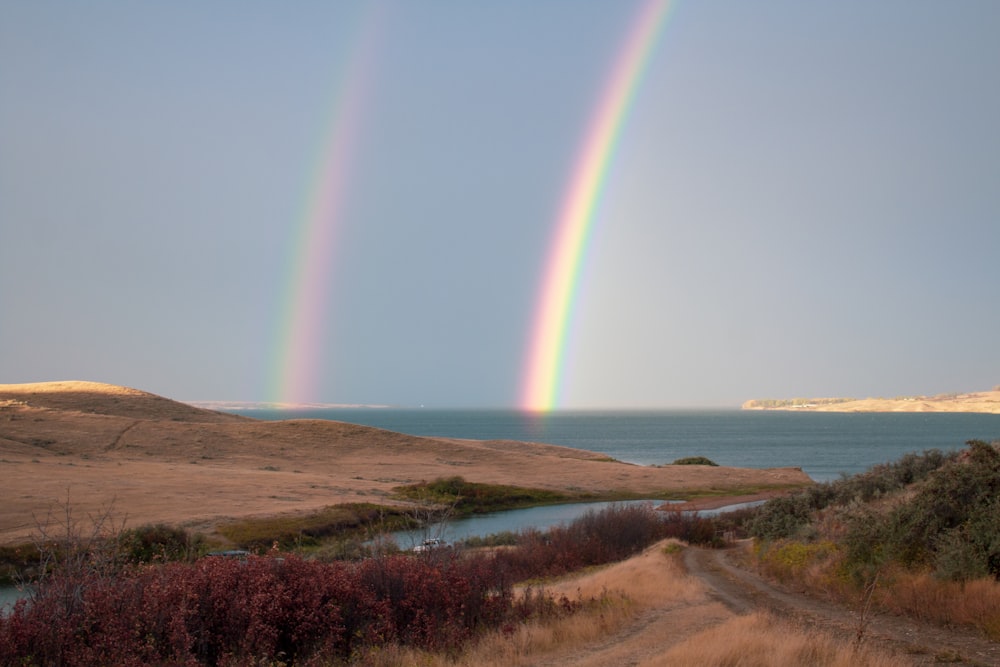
x=805, y=200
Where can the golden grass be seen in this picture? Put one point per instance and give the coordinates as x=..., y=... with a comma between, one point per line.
x=972, y=603
x=519, y=644
x=758, y=640
x=652, y=578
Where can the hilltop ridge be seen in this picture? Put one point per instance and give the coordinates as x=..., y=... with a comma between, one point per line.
x=106, y=399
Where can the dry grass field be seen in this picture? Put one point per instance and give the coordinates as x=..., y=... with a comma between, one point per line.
x=149, y=459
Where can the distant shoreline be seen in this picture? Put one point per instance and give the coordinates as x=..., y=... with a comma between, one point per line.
x=987, y=402
x=263, y=405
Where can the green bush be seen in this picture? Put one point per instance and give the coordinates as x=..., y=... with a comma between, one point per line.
x=780, y=517
x=694, y=461
x=348, y=520
x=473, y=497
x=786, y=516
x=951, y=523
x=160, y=542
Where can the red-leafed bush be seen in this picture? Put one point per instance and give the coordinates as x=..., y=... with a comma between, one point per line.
x=224, y=611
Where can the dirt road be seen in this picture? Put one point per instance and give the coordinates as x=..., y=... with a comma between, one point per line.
x=718, y=590
x=743, y=591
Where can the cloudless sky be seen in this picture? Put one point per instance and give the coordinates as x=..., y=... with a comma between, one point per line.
x=805, y=200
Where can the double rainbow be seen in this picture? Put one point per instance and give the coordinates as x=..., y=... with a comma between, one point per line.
x=554, y=309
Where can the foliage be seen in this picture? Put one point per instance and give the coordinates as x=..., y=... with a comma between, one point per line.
x=694, y=461
x=505, y=538
x=474, y=497
x=158, y=543
x=920, y=536
x=307, y=530
x=951, y=523
x=270, y=609
x=785, y=516
x=16, y=559
x=791, y=560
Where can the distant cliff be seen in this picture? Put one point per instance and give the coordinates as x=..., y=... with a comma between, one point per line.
x=982, y=401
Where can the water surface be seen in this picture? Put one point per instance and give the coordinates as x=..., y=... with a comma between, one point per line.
x=824, y=444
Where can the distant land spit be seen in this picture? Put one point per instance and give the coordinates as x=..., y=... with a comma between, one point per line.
x=981, y=401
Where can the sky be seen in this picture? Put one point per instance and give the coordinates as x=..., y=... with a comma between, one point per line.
x=803, y=199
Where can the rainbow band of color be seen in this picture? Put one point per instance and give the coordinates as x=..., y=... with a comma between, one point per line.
x=302, y=322
x=540, y=390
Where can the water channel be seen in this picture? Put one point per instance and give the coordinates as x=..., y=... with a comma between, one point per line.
x=540, y=518
x=481, y=525
x=8, y=596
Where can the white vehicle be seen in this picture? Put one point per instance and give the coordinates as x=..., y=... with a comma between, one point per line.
x=430, y=545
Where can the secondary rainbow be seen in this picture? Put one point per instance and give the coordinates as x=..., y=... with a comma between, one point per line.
x=554, y=309
x=302, y=323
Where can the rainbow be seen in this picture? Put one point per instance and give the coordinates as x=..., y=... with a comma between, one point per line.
x=300, y=338
x=554, y=309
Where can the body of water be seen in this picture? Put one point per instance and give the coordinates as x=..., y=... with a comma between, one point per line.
x=539, y=518
x=9, y=595
x=824, y=444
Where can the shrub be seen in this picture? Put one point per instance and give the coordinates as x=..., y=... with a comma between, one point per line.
x=308, y=530
x=148, y=544
x=951, y=523
x=268, y=609
x=505, y=538
x=781, y=517
x=471, y=497
x=695, y=461
x=790, y=560
x=785, y=516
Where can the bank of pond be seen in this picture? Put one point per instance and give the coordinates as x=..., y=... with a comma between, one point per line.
x=282, y=606
x=492, y=528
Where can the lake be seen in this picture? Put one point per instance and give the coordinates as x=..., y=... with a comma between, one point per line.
x=824, y=444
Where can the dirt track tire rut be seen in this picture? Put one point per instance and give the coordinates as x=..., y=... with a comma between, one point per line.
x=743, y=591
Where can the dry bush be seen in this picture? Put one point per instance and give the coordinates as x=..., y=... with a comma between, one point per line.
x=758, y=640
x=512, y=644
x=816, y=565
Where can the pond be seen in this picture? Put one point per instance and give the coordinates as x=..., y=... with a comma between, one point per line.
x=8, y=596
x=540, y=518
x=481, y=525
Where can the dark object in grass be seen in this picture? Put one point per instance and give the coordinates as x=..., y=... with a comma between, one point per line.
x=694, y=461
